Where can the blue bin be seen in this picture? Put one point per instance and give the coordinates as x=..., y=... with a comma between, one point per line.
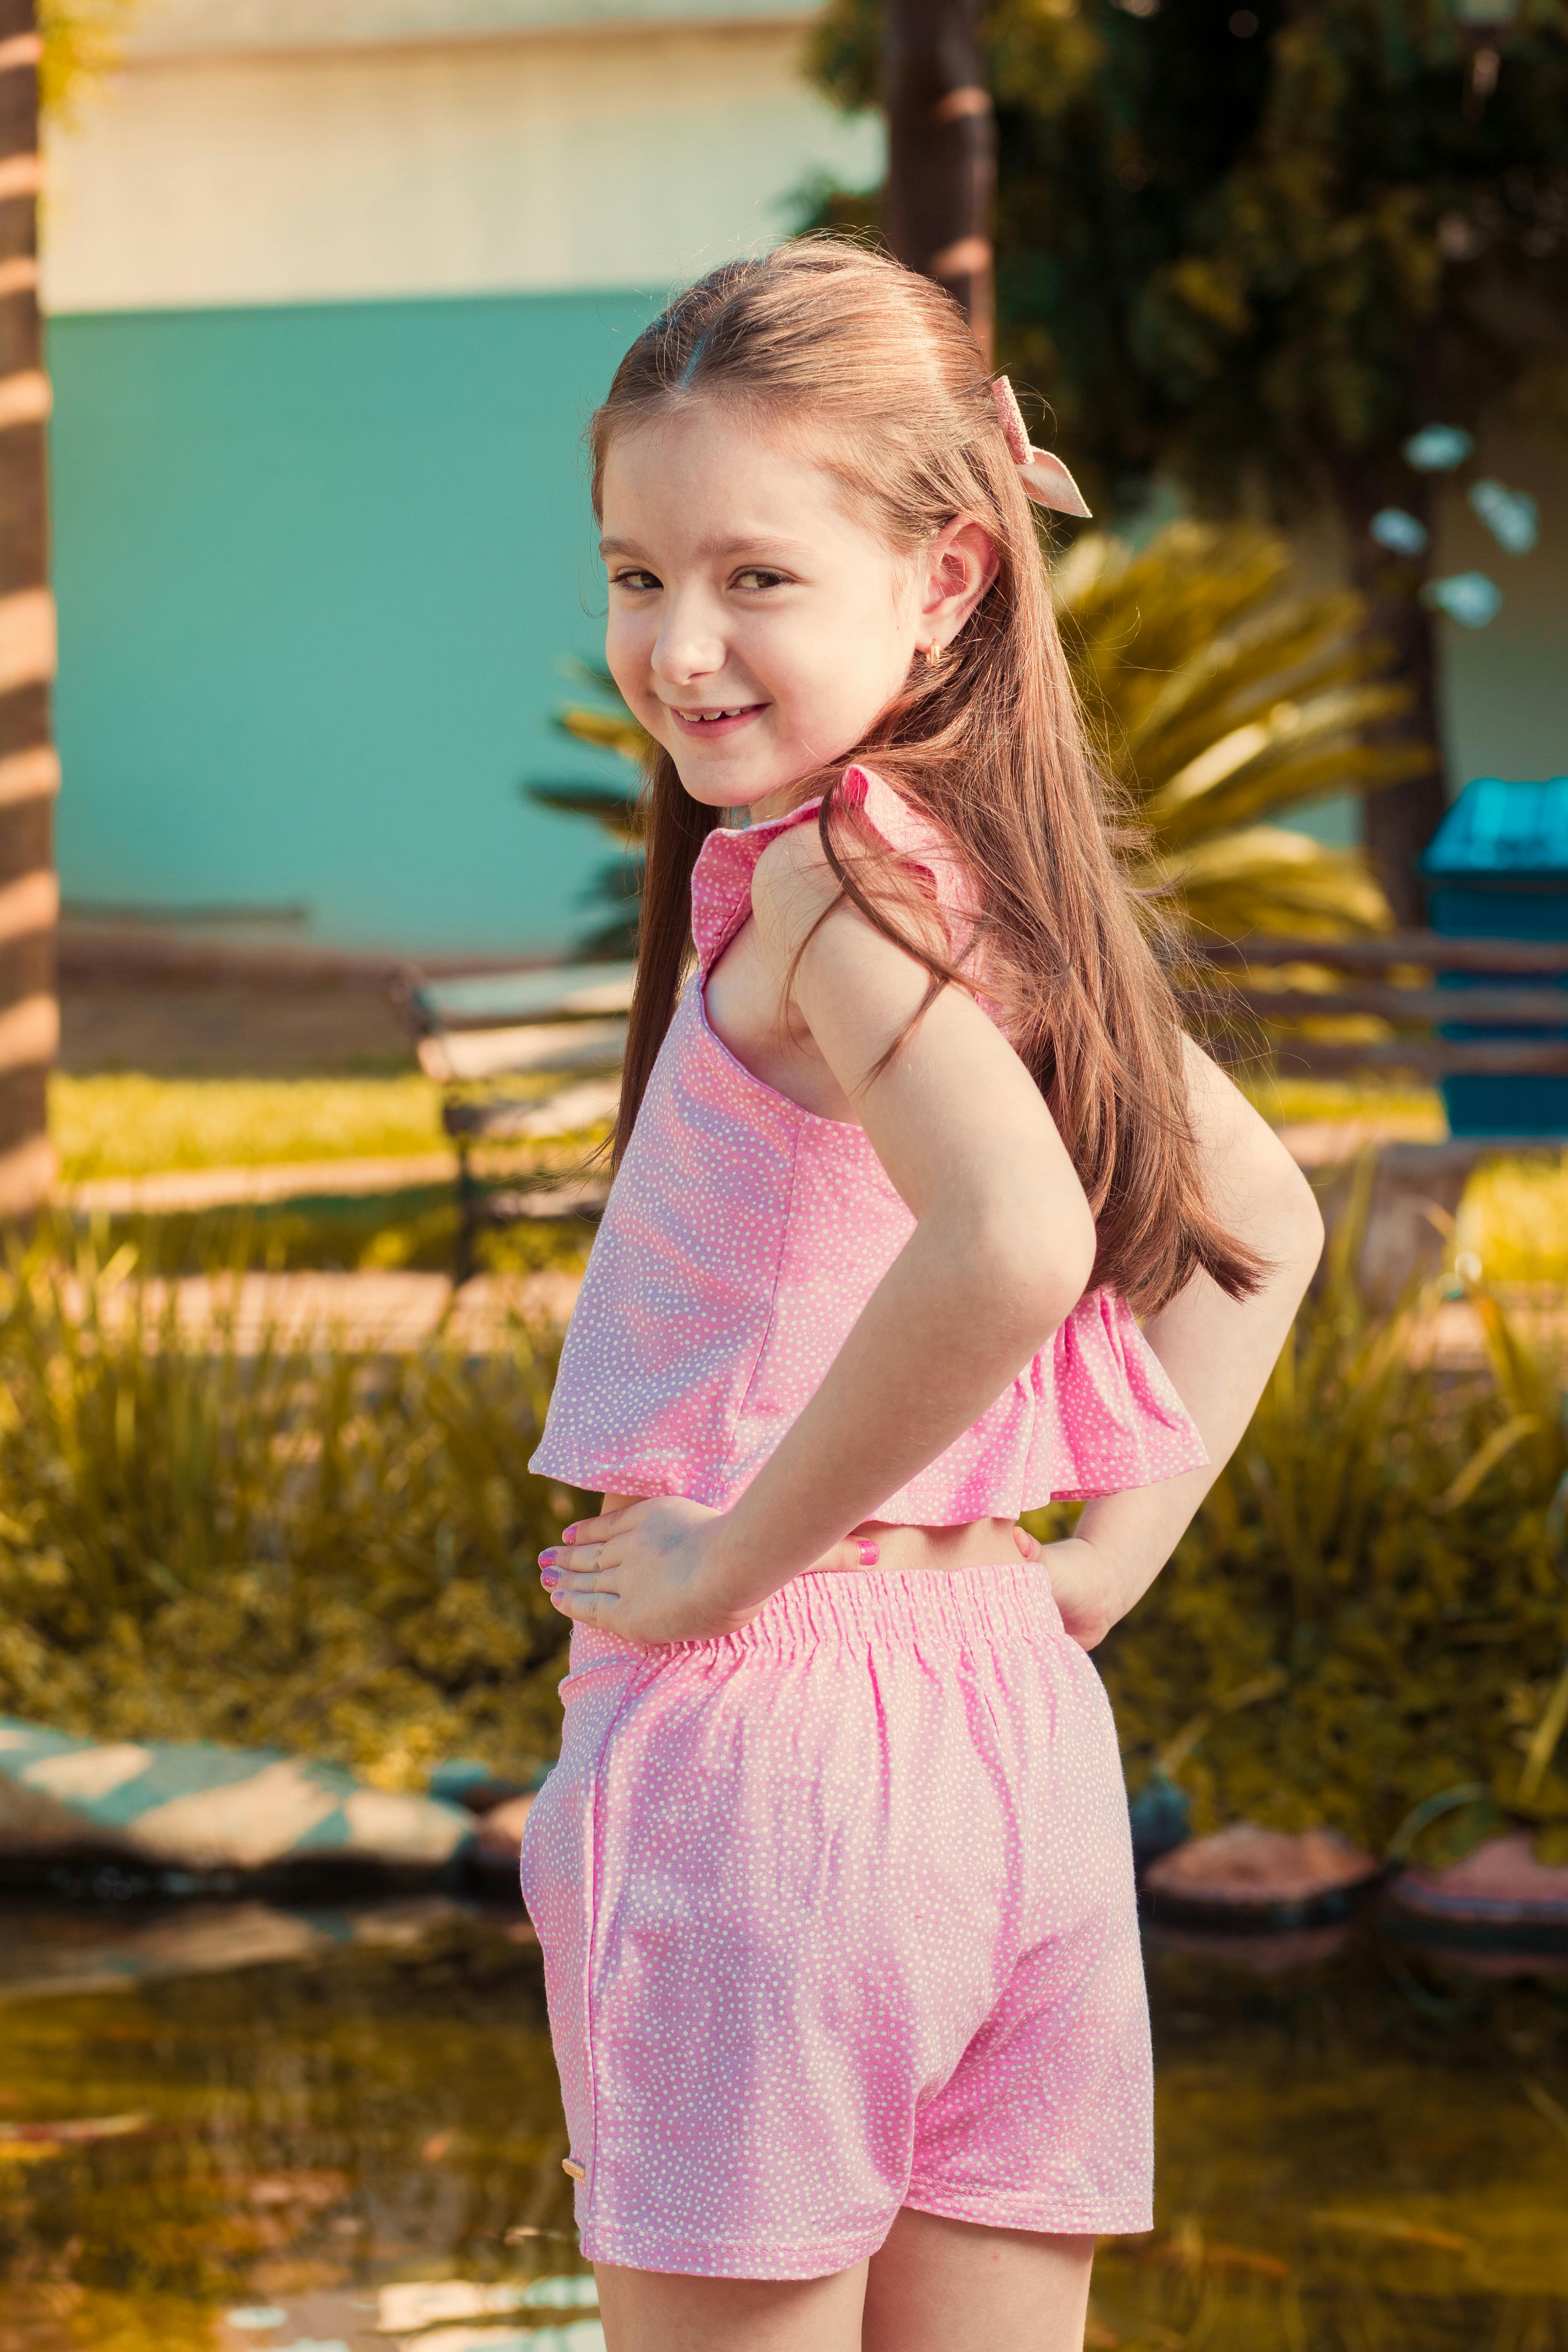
x=1498, y=868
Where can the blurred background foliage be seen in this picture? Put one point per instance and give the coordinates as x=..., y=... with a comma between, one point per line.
x=1225, y=696
x=314, y=1548
x=1221, y=694
x=80, y=40
x=1252, y=247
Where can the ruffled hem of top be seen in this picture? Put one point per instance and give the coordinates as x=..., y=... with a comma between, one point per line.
x=1117, y=1421
x=1106, y=1419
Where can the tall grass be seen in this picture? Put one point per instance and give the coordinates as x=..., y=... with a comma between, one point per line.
x=324, y=1550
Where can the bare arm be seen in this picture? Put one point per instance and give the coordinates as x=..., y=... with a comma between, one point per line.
x=1002, y=1247
x=1218, y=1351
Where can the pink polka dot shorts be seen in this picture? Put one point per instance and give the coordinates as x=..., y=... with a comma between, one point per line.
x=838, y=1916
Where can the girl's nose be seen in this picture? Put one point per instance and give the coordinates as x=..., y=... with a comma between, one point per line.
x=685, y=648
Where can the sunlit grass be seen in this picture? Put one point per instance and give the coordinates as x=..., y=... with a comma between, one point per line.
x=1514, y=1217
x=1414, y=1111
x=134, y=1125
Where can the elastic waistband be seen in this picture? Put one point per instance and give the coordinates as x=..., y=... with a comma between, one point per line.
x=880, y=1608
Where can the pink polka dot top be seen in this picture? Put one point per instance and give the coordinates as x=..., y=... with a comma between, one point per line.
x=742, y=1239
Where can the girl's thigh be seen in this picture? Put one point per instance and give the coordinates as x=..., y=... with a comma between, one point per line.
x=666, y=2311
x=936, y=2286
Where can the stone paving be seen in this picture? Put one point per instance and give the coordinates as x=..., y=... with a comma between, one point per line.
x=376, y=1312
x=174, y=1189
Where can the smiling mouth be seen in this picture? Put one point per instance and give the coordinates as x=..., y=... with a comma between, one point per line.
x=712, y=722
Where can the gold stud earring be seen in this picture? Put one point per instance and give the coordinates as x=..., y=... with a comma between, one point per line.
x=933, y=655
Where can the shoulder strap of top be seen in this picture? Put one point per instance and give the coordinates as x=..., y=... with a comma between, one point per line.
x=721, y=879
x=919, y=842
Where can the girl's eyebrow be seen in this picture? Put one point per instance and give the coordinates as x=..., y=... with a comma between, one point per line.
x=721, y=547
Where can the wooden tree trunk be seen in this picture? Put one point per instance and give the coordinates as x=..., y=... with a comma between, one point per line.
x=1401, y=819
x=942, y=151
x=29, y=772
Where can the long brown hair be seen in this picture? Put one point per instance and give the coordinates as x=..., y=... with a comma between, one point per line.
x=877, y=366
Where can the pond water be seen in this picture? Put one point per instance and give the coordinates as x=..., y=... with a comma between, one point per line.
x=1362, y=2149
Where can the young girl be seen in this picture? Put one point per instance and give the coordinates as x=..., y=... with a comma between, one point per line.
x=833, y=1878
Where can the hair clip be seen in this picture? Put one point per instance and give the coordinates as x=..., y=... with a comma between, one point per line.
x=1044, y=478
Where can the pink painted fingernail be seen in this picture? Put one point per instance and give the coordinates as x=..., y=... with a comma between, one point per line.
x=569, y=1534
x=548, y=1558
x=871, y=1553
x=550, y=1577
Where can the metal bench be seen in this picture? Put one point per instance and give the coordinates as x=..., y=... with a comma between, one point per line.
x=1519, y=986
x=475, y=1033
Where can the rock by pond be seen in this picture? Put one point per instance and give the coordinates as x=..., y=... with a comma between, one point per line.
x=1499, y=1891
x=1251, y=1877
x=198, y=1810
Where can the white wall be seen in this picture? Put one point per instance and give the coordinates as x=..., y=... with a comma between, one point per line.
x=213, y=169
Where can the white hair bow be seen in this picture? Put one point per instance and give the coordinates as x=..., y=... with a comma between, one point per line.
x=1044, y=478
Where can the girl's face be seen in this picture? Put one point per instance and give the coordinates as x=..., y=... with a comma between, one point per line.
x=756, y=626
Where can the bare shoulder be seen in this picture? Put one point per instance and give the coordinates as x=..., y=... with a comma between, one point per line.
x=793, y=884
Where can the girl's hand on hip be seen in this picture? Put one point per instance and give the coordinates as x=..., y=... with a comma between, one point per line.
x=1085, y=1585
x=657, y=1571
x=649, y=1572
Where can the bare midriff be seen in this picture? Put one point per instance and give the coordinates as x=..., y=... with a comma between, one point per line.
x=979, y=1543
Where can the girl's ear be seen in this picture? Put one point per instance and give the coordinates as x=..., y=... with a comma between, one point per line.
x=961, y=562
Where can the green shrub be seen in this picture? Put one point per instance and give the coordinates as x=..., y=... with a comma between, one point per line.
x=325, y=1550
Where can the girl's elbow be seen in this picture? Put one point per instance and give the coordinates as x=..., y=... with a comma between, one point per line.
x=1042, y=1265
x=1287, y=1224
x=1301, y=1215
x=1072, y=1261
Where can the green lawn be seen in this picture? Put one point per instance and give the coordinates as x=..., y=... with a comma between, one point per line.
x=133, y=1126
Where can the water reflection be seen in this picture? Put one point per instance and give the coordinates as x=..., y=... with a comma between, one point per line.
x=1361, y=2145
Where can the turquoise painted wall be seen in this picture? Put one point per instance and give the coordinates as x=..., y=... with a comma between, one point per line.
x=315, y=567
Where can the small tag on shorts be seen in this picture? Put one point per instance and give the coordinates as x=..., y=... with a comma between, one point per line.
x=569, y=2164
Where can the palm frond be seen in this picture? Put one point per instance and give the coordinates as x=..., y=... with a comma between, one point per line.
x=1220, y=698
x=619, y=812
x=1263, y=878
x=606, y=731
